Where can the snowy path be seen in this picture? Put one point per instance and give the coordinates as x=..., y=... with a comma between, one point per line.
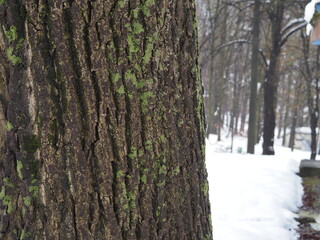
x=254, y=197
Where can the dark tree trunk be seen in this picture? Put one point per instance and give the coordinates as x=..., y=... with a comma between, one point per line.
x=271, y=83
x=293, y=129
x=211, y=104
x=221, y=75
x=219, y=121
x=252, y=131
x=235, y=101
x=285, y=126
x=103, y=121
x=243, y=114
x=314, y=124
x=236, y=123
x=259, y=114
x=280, y=122
x=286, y=115
x=295, y=115
x=313, y=105
x=313, y=91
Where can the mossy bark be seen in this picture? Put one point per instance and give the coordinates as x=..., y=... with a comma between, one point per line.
x=102, y=121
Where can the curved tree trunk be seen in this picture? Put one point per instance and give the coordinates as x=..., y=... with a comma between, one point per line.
x=103, y=119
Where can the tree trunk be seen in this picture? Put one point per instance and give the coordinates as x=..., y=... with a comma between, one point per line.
x=280, y=121
x=314, y=124
x=313, y=103
x=271, y=83
x=211, y=104
x=254, y=79
x=284, y=136
x=236, y=123
x=219, y=119
x=294, y=121
x=293, y=129
x=222, y=66
x=104, y=121
x=285, y=123
x=259, y=113
x=235, y=101
x=286, y=115
x=313, y=92
x=243, y=114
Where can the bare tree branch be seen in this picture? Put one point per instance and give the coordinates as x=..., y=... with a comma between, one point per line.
x=291, y=24
x=238, y=41
x=285, y=37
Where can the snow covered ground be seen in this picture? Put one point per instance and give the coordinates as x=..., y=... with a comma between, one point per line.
x=253, y=197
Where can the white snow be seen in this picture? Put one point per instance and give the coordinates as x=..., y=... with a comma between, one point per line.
x=304, y=130
x=253, y=197
x=308, y=14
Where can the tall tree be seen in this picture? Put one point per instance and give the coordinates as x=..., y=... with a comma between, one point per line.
x=311, y=75
x=254, y=78
x=212, y=99
x=279, y=37
x=102, y=117
x=295, y=115
x=270, y=85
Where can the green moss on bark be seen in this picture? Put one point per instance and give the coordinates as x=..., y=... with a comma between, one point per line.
x=27, y=201
x=31, y=143
x=11, y=34
x=34, y=190
x=12, y=58
x=19, y=169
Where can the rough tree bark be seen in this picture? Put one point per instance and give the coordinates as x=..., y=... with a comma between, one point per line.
x=102, y=117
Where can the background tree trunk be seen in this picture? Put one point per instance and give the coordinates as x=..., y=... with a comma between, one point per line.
x=281, y=120
x=295, y=115
x=286, y=109
x=259, y=114
x=212, y=105
x=252, y=130
x=272, y=75
x=313, y=91
x=104, y=121
x=244, y=106
x=221, y=74
x=293, y=129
